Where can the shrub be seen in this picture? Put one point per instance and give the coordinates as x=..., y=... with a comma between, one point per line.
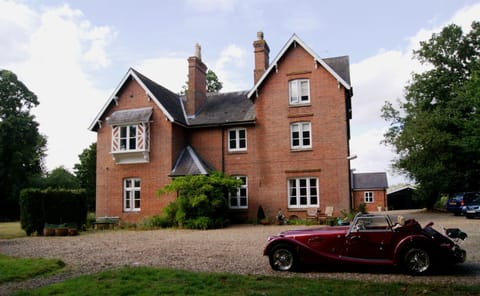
x=156, y=222
x=201, y=200
x=51, y=206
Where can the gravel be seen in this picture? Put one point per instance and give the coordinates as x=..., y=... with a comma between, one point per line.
x=237, y=249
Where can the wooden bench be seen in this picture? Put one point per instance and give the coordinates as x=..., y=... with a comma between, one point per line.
x=103, y=223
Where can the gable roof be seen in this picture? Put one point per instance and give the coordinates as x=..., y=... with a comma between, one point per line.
x=370, y=181
x=327, y=65
x=190, y=163
x=167, y=101
x=225, y=109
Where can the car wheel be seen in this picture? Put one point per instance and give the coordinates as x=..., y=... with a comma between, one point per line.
x=417, y=261
x=283, y=258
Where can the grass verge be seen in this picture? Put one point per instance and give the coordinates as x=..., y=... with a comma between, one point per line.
x=18, y=269
x=11, y=230
x=152, y=281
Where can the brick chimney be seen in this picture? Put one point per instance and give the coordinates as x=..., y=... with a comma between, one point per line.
x=261, y=51
x=197, y=83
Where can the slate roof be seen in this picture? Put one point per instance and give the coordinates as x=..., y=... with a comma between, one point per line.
x=363, y=181
x=165, y=97
x=168, y=102
x=225, y=109
x=189, y=162
x=341, y=65
x=130, y=116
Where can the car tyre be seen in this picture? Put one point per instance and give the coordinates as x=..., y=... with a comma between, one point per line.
x=283, y=258
x=417, y=261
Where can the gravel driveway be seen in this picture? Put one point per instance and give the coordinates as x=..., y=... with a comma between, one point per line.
x=237, y=249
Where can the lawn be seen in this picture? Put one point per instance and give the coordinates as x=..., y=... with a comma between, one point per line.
x=11, y=230
x=154, y=281
x=18, y=269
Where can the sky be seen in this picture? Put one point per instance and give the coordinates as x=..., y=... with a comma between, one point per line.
x=73, y=54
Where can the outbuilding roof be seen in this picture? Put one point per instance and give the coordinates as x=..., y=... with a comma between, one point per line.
x=363, y=181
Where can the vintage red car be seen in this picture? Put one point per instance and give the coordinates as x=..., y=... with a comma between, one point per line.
x=370, y=239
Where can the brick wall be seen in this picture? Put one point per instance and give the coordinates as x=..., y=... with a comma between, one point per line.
x=379, y=196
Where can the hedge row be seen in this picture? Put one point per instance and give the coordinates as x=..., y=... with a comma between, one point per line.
x=52, y=206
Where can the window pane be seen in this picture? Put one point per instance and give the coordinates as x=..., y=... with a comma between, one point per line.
x=123, y=144
x=243, y=202
x=133, y=144
x=137, y=183
x=133, y=131
x=233, y=201
x=128, y=183
x=304, y=91
x=123, y=132
x=241, y=134
x=242, y=144
x=293, y=91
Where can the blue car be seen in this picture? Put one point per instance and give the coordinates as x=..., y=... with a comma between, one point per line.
x=473, y=209
x=456, y=203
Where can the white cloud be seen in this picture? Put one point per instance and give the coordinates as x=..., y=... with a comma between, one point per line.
x=230, y=68
x=60, y=46
x=16, y=20
x=169, y=72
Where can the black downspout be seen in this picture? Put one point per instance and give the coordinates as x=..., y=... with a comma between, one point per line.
x=223, y=149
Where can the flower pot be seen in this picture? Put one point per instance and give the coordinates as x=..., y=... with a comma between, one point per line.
x=72, y=231
x=61, y=231
x=48, y=231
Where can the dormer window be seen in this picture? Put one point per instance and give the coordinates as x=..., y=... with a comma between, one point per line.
x=130, y=135
x=299, y=91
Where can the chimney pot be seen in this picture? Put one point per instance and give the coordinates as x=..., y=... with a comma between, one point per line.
x=259, y=35
x=198, y=51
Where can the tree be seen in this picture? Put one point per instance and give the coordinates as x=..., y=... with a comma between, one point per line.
x=201, y=202
x=61, y=178
x=86, y=173
x=22, y=147
x=213, y=84
x=436, y=130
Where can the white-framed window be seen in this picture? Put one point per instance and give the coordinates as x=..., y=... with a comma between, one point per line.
x=303, y=192
x=299, y=91
x=239, y=198
x=368, y=197
x=131, y=194
x=134, y=137
x=301, y=135
x=237, y=139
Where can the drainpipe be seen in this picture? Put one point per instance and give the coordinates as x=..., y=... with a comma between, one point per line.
x=223, y=149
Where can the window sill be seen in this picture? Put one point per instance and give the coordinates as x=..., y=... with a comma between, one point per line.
x=290, y=105
x=129, y=157
x=237, y=151
x=301, y=149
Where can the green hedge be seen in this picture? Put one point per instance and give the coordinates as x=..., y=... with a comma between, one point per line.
x=52, y=206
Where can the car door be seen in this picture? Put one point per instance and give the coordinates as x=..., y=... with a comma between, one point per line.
x=370, y=238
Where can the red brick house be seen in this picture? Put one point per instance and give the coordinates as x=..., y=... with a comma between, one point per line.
x=287, y=137
x=371, y=190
